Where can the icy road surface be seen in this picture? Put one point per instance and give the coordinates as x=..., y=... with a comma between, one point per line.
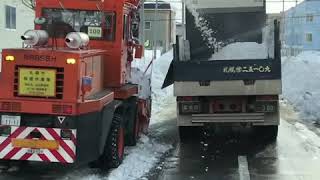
x=295, y=156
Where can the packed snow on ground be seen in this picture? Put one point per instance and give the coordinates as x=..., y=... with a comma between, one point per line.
x=138, y=161
x=301, y=83
x=308, y=136
x=242, y=50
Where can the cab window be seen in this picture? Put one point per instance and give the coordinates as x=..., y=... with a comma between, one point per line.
x=98, y=25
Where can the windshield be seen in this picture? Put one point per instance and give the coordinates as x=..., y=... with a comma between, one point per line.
x=98, y=25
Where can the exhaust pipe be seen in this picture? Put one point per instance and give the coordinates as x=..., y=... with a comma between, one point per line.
x=35, y=37
x=76, y=40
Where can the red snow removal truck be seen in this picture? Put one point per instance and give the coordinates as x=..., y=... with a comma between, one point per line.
x=65, y=95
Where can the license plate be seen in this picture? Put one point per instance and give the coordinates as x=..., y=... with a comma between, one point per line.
x=10, y=120
x=35, y=151
x=37, y=82
x=266, y=107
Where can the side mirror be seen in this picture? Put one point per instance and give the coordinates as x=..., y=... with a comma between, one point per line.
x=40, y=20
x=139, y=51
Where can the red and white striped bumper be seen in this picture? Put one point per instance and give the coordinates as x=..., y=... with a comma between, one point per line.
x=65, y=151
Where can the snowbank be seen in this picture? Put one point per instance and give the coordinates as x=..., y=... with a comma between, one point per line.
x=160, y=68
x=139, y=160
x=301, y=83
x=242, y=50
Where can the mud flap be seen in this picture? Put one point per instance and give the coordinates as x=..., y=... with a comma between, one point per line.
x=169, y=80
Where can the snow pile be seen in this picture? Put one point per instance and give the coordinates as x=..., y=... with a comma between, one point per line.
x=301, y=83
x=141, y=74
x=159, y=68
x=242, y=50
x=139, y=160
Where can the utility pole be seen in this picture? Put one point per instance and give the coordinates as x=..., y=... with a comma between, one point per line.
x=183, y=3
x=283, y=23
x=142, y=20
x=155, y=30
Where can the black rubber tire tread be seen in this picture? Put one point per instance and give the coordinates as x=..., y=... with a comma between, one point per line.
x=110, y=158
x=114, y=160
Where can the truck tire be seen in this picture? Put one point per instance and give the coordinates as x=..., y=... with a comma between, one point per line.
x=116, y=143
x=114, y=150
x=187, y=133
x=266, y=133
x=134, y=134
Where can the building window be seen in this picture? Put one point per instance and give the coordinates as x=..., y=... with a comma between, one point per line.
x=10, y=17
x=309, y=18
x=147, y=25
x=309, y=37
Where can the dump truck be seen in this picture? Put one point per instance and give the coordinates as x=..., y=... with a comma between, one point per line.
x=226, y=71
x=65, y=95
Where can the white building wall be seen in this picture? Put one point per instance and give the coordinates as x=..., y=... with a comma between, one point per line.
x=10, y=38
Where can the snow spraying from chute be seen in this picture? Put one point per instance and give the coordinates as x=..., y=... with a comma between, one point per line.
x=207, y=33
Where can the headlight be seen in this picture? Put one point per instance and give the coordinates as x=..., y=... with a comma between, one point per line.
x=9, y=58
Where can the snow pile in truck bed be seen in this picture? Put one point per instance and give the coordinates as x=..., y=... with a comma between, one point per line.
x=241, y=50
x=301, y=83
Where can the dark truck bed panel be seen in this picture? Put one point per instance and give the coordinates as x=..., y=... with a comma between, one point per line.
x=226, y=70
x=268, y=69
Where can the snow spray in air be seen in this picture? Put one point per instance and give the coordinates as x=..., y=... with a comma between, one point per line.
x=207, y=33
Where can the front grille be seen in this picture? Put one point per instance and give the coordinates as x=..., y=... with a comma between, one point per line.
x=59, y=82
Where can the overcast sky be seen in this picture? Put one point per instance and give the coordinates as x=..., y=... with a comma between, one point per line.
x=276, y=7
